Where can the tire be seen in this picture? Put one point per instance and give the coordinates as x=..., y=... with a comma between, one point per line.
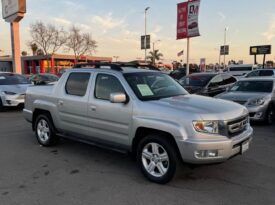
x=157, y=158
x=1, y=106
x=269, y=117
x=45, y=131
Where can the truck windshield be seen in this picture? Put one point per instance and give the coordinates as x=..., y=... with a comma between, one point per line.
x=13, y=79
x=253, y=86
x=153, y=85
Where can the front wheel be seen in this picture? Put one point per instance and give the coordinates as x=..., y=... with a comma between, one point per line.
x=269, y=115
x=157, y=158
x=45, y=131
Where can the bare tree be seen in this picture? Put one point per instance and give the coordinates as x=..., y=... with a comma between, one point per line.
x=80, y=43
x=48, y=37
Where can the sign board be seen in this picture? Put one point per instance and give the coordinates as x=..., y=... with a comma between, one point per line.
x=147, y=42
x=188, y=19
x=11, y=7
x=224, y=50
x=260, y=50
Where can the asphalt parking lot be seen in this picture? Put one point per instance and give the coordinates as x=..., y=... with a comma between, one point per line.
x=75, y=173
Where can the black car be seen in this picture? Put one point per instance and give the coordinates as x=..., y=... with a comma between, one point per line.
x=208, y=84
x=43, y=78
x=178, y=73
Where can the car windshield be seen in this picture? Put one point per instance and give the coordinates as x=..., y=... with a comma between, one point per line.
x=253, y=86
x=153, y=85
x=13, y=79
x=196, y=80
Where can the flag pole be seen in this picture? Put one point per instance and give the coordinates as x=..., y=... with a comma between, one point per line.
x=187, y=56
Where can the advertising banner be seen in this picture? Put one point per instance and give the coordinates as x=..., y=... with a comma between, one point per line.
x=11, y=7
x=188, y=19
x=260, y=50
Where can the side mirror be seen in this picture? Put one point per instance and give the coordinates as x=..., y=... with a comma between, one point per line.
x=118, y=98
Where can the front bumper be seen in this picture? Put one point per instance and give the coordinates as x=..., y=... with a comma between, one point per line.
x=13, y=100
x=225, y=148
x=257, y=113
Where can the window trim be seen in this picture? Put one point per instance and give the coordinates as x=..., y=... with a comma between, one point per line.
x=96, y=77
x=65, y=87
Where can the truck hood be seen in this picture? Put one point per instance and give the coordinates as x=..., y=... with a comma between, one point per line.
x=241, y=96
x=19, y=89
x=207, y=108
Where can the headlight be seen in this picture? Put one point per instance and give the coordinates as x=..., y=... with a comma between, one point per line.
x=211, y=127
x=256, y=102
x=8, y=93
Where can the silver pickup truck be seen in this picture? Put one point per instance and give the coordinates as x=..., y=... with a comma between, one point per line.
x=143, y=112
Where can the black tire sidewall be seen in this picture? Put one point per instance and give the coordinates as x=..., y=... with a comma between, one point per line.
x=51, y=139
x=169, y=148
x=270, y=109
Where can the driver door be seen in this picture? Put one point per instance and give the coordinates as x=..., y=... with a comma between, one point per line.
x=108, y=122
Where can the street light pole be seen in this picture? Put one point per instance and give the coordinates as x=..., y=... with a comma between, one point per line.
x=226, y=28
x=145, y=24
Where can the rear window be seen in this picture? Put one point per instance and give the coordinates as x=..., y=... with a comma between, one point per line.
x=77, y=84
x=247, y=68
x=253, y=86
x=13, y=79
x=196, y=80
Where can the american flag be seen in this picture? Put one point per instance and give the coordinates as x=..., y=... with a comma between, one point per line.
x=180, y=53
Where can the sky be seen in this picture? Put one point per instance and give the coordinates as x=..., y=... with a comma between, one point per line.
x=118, y=24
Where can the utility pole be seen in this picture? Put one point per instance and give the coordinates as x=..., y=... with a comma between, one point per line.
x=225, y=30
x=145, y=24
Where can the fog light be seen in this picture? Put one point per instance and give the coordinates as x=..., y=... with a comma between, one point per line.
x=8, y=101
x=206, y=153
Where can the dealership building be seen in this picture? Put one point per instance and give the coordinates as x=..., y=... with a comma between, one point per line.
x=48, y=63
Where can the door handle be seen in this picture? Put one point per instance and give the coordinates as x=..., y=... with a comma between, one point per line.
x=93, y=107
x=60, y=102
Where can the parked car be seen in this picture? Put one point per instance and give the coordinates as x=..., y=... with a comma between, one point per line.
x=257, y=95
x=139, y=111
x=208, y=84
x=12, y=89
x=43, y=78
x=240, y=70
x=178, y=73
x=261, y=73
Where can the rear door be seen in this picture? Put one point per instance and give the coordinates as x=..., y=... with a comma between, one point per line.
x=72, y=103
x=109, y=122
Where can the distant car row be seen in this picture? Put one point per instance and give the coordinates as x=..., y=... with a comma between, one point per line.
x=13, y=87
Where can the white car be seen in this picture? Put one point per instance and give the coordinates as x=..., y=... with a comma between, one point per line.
x=241, y=70
x=12, y=89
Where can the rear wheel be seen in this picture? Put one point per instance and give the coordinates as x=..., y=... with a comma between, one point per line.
x=269, y=118
x=157, y=158
x=45, y=131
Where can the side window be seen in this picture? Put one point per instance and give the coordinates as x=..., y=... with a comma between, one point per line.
x=77, y=84
x=254, y=73
x=216, y=81
x=105, y=85
x=266, y=73
x=227, y=79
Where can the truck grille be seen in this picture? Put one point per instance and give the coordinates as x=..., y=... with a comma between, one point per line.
x=237, y=126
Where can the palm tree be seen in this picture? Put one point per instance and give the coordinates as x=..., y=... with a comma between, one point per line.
x=34, y=48
x=154, y=56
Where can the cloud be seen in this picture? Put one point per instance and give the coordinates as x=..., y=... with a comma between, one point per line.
x=108, y=22
x=222, y=16
x=62, y=21
x=270, y=33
